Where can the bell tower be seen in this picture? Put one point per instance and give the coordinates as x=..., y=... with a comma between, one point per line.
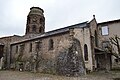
x=35, y=21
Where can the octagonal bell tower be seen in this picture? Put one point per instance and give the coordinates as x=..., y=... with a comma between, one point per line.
x=35, y=21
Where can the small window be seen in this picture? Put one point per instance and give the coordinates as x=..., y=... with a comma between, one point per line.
x=22, y=46
x=28, y=20
x=85, y=52
x=38, y=45
x=51, y=44
x=105, y=30
x=34, y=28
x=30, y=50
x=28, y=28
x=116, y=60
x=96, y=39
x=16, y=49
x=41, y=20
x=40, y=29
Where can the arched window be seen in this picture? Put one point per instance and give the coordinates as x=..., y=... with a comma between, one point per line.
x=51, y=44
x=96, y=39
x=85, y=52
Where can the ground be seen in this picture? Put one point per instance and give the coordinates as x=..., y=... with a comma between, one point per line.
x=16, y=75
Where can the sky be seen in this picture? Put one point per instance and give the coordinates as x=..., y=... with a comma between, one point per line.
x=58, y=13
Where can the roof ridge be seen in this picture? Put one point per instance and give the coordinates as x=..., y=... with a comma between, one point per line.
x=110, y=21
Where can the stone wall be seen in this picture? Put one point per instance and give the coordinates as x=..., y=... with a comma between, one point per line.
x=103, y=61
x=70, y=60
x=44, y=53
x=46, y=60
x=6, y=41
x=94, y=40
x=83, y=35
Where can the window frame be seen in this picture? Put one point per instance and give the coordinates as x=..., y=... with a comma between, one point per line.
x=106, y=32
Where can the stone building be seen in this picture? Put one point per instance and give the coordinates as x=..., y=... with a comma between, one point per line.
x=107, y=30
x=5, y=48
x=71, y=50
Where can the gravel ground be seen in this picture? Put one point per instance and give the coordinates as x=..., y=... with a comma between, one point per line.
x=16, y=75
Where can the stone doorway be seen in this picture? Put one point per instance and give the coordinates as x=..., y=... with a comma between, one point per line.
x=103, y=61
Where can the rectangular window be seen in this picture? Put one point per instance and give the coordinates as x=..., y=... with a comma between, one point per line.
x=38, y=45
x=30, y=50
x=51, y=44
x=105, y=30
x=16, y=49
x=22, y=46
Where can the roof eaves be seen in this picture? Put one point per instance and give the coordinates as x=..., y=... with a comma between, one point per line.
x=41, y=36
x=118, y=20
x=57, y=31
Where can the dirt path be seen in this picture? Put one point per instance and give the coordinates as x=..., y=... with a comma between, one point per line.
x=16, y=75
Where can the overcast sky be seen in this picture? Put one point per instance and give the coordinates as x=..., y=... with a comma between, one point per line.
x=58, y=13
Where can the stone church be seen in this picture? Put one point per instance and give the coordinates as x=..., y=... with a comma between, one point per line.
x=69, y=50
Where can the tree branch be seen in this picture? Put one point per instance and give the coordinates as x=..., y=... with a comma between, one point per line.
x=112, y=41
x=118, y=38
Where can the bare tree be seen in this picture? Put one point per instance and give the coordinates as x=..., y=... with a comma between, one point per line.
x=115, y=40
